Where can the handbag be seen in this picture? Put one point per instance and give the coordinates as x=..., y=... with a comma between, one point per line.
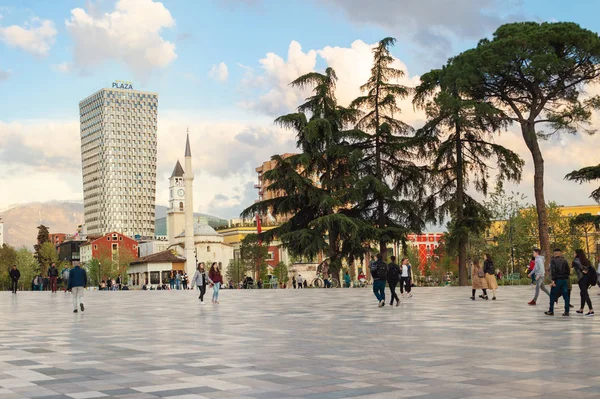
x=480, y=274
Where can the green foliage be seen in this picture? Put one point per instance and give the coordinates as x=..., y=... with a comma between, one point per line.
x=586, y=225
x=236, y=271
x=43, y=236
x=46, y=256
x=535, y=74
x=253, y=256
x=587, y=174
x=8, y=257
x=27, y=265
x=319, y=217
x=281, y=272
x=390, y=182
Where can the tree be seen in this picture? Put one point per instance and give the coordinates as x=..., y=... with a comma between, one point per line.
x=253, y=256
x=458, y=140
x=8, y=257
x=588, y=224
x=236, y=270
x=535, y=73
x=316, y=185
x=390, y=181
x=281, y=272
x=43, y=236
x=587, y=174
x=27, y=265
x=46, y=256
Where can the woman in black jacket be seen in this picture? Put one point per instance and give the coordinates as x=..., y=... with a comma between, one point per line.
x=582, y=266
x=490, y=275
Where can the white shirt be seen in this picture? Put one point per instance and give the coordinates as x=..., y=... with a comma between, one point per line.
x=404, y=270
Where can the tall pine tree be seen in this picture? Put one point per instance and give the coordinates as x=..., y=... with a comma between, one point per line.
x=457, y=139
x=390, y=182
x=316, y=185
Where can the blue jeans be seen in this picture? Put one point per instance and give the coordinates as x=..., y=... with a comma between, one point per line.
x=379, y=290
x=172, y=284
x=216, y=291
x=178, y=284
x=562, y=287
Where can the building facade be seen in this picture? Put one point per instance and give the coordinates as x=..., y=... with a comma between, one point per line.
x=155, y=269
x=118, y=152
x=69, y=251
x=265, y=194
x=111, y=245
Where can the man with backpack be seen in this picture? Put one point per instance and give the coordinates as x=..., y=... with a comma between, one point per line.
x=379, y=271
x=560, y=271
x=393, y=277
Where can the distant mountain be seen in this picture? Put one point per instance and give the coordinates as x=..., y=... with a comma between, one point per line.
x=21, y=221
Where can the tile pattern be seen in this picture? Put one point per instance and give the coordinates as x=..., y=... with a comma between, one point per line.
x=294, y=344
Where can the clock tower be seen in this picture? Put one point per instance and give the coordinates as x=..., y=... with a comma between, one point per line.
x=176, y=211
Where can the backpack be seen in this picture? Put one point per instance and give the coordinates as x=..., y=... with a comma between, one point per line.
x=393, y=273
x=593, y=276
x=379, y=270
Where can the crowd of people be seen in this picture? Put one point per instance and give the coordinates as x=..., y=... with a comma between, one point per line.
x=391, y=274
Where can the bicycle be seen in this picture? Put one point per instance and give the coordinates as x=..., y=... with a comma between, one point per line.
x=319, y=282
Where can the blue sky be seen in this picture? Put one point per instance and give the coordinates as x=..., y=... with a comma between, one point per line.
x=51, y=57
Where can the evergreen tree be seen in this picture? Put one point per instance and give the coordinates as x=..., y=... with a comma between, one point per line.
x=42, y=237
x=253, y=256
x=535, y=73
x=458, y=137
x=316, y=185
x=390, y=182
x=587, y=174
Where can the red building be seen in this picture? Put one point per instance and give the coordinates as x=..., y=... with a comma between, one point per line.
x=111, y=244
x=57, y=238
x=425, y=245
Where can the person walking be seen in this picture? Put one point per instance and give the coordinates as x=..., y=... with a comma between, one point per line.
x=184, y=280
x=217, y=280
x=478, y=281
x=14, y=275
x=539, y=272
x=405, y=277
x=347, y=279
x=585, y=274
x=559, y=271
x=490, y=275
x=393, y=277
x=379, y=273
x=77, y=283
x=530, y=270
x=53, y=277
x=64, y=275
x=201, y=280
x=300, y=281
x=326, y=281
x=118, y=282
x=294, y=282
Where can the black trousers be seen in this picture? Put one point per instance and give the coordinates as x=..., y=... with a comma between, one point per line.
x=484, y=292
x=202, y=289
x=392, y=284
x=404, y=283
x=13, y=286
x=583, y=290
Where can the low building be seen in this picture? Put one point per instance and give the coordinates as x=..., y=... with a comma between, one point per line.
x=111, y=245
x=69, y=251
x=58, y=238
x=152, y=247
x=154, y=269
x=210, y=245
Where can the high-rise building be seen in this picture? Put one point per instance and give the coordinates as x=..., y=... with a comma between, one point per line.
x=118, y=155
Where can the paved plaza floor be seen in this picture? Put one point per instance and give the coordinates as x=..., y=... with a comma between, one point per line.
x=295, y=344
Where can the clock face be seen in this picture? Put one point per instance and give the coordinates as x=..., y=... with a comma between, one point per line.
x=180, y=192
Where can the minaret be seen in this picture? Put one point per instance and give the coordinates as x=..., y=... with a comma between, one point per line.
x=188, y=179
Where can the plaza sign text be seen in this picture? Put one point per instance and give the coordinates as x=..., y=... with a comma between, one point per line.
x=120, y=84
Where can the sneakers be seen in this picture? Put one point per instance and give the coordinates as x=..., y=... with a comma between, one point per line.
x=549, y=313
x=398, y=303
x=381, y=303
x=410, y=294
x=532, y=303
x=590, y=314
x=494, y=298
x=579, y=311
x=81, y=306
x=472, y=298
x=566, y=314
x=75, y=311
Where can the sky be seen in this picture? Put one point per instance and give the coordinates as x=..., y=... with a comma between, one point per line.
x=222, y=69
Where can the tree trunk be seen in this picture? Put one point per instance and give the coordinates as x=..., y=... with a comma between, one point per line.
x=528, y=131
x=460, y=203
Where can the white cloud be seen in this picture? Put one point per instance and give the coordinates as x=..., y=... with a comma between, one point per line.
x=219, y=72
x=63, y=67
x=130, y=34
x=36, y=36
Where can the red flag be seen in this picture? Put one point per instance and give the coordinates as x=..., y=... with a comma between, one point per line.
x=258, y=227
